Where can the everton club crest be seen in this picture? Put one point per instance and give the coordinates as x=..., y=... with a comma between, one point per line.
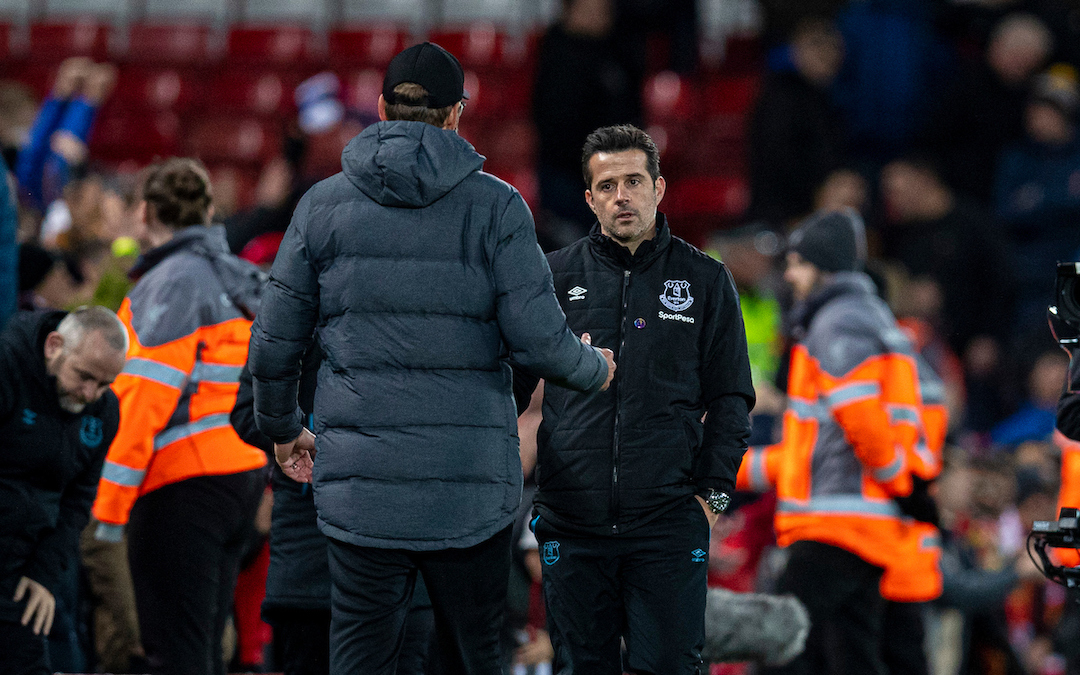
x=551, y=552
x=676, y=295
x=91, y=433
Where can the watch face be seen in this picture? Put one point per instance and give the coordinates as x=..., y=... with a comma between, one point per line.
x=719, y=501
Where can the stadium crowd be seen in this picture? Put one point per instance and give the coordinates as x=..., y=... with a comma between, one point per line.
x=951, y=127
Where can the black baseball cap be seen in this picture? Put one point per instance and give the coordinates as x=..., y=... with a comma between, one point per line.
x=433, y=68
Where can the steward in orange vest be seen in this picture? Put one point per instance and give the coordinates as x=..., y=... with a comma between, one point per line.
x=850, y=438
x=177, y=470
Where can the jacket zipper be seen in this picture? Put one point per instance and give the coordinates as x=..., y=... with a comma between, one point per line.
x=618, y=408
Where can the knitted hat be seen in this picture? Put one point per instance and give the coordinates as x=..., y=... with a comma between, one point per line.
x=832, y=241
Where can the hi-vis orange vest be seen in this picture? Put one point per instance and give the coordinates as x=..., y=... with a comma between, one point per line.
x=1070, y=490
x=188, y=346
x=850, y=437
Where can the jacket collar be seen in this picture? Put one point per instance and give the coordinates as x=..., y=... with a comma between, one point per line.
x=650, y=249
x=202, y=240
x=838, y=284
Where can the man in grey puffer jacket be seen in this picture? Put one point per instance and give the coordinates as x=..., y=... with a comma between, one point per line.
x=421, y=278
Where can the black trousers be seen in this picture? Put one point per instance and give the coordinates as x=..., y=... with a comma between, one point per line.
x=840, y=592
x=302, y=641
x=646, y=587
x=371, y=591
x=22, y=652
x=903, y=639
x=185, y=541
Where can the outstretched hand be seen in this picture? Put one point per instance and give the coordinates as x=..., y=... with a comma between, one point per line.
x=297, y=457
x=609, y=356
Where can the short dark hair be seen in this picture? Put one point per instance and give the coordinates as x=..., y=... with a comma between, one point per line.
x=179, y=191
x=619, y=138
x=411, y=106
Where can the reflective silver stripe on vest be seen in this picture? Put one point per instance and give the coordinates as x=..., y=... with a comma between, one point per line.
x=759, y=479
x=839, y=505
x=902, y=413
x=177, y=433
x=122, y=475
x=890, y=471
x=925, y=454
x=212, y=372
x=155, y=371
x=850, y=393
x=930, y=541
x=933, y=391
x=804, y=409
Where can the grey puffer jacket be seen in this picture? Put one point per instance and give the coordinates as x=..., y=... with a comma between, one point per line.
x=421, y=278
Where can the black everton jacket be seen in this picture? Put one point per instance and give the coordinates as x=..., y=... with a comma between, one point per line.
x=612, y=460
x=52, y=462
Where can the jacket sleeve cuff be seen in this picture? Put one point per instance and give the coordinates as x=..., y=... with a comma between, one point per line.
x=109, y=532
x=718, y=484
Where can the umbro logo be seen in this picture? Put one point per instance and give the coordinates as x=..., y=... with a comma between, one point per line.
x=698, y=555
x=577, y=293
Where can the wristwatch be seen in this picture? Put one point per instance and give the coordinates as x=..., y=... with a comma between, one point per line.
x=717, y=502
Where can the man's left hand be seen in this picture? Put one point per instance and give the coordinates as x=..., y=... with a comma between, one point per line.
x=713, y=517
x=40, y=605
x=297, y=457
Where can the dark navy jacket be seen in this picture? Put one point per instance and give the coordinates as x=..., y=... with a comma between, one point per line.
x=611, y=461
x=420, y=276
x=52, y=462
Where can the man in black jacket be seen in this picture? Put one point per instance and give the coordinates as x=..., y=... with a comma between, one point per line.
x=421, y=277
x=631, y=480
x=57, y=417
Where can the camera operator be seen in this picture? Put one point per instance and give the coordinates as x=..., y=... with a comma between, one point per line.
x=1065, y=326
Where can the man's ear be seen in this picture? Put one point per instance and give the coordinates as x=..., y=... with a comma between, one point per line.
x=661, y=188
x=382, y=108
x=54, y=345
x=453, y=119
x=588, y=200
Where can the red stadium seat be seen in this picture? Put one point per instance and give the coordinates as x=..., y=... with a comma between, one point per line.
x=281, y=45
x=732, y=94
x=256, y=93
x=157, y=88
x=57, y=41
x=698, y=205
x=498, y=92
x=120, y=135
x=483, y=45
x=168, y=43
x=233, y=139
x=369, y=47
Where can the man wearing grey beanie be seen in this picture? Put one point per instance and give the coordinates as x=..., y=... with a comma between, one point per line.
x=847, y=452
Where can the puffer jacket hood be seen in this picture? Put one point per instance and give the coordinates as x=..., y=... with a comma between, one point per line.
x=408, y=164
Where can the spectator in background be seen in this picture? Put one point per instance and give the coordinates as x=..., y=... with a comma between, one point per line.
x=58, y=417
x=976, y=582
x=1034, y=421
x=1038, y=190
x=60, y=133
x=178, y=475
x=984, y=109
x=582, y=83
x=795, y=136
x=951, y=241
x=894, y=66
x=749, y=253
x=9, y=249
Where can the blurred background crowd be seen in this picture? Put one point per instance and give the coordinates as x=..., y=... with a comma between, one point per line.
x=951, y=125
